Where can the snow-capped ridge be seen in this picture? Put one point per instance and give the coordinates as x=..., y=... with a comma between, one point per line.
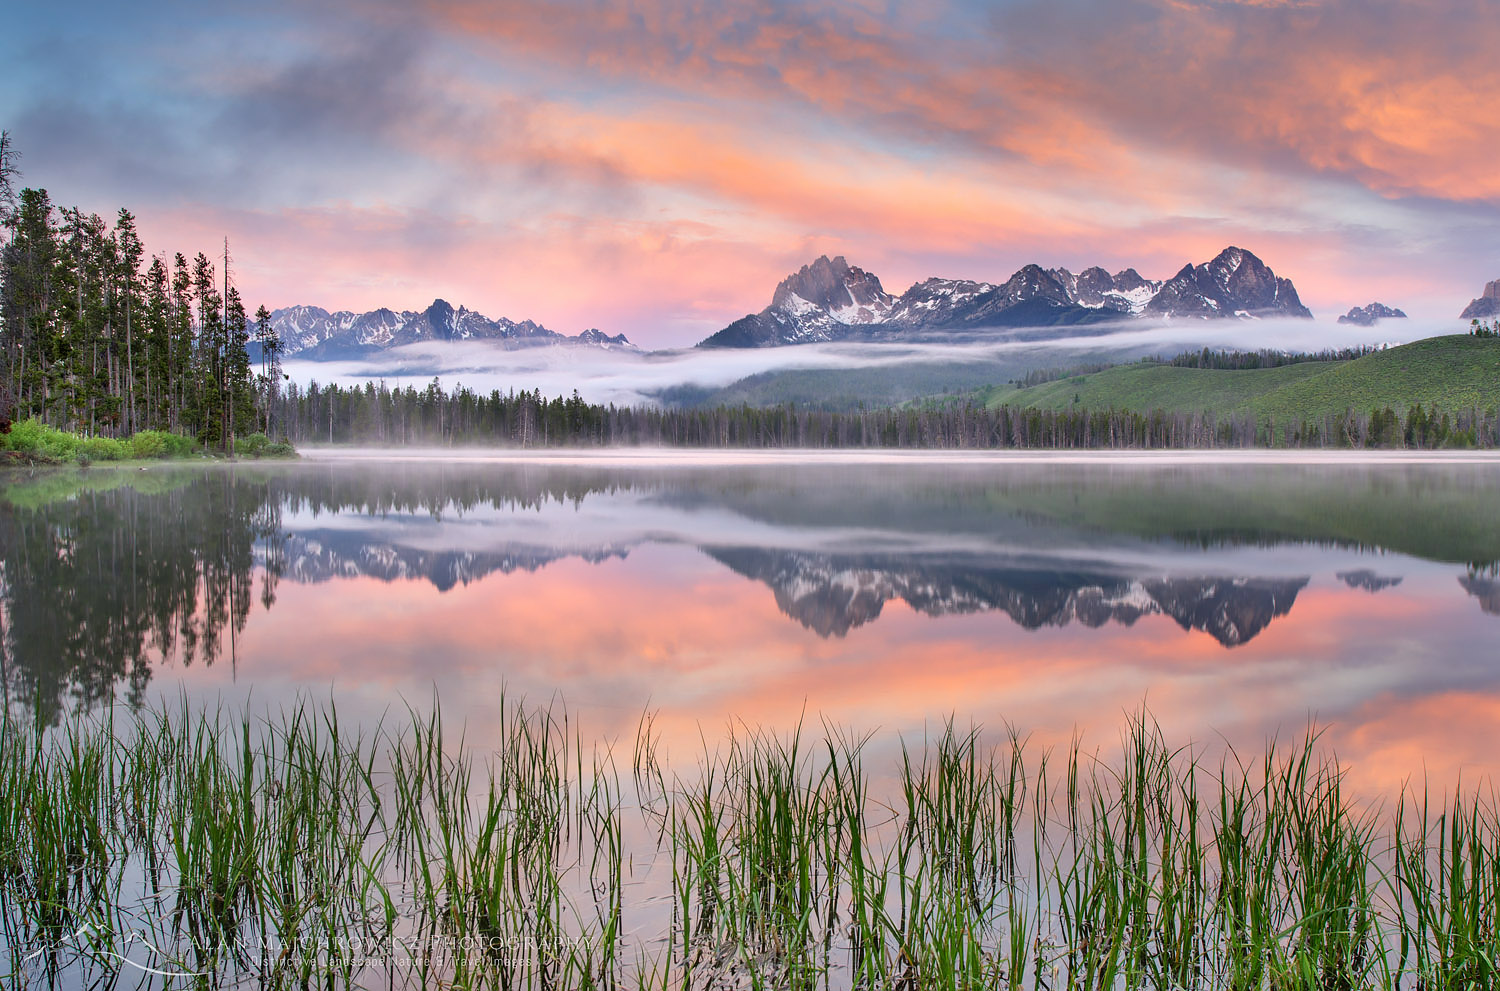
x=830, y=300
x=313, y=332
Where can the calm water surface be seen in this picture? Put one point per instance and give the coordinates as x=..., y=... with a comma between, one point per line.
x=1234, y=601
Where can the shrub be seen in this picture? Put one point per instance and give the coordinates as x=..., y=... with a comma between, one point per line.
x=29, y=436
x=179, y=446
x=35, y=437
x=104, y=449
x=252, y=445
x=160, y=444
x=148, y=444
x=258, y=445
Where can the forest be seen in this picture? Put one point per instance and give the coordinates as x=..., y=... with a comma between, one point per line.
x=380, y=415
x=102, y=339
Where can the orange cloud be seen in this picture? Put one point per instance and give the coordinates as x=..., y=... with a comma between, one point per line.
x=385, y=154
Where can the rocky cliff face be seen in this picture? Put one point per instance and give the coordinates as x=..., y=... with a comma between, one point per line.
x=1234, y=284
x=830, y=300
x=1487, y=305
x=819, y=302
x=1368, y=316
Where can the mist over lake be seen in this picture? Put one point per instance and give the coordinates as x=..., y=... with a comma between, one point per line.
x=903, y=370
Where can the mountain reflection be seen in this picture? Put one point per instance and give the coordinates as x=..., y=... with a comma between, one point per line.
x=106, y=576
x=831, y=595
x=1483, y=584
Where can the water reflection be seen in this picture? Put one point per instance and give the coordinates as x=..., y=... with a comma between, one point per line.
x=832, y=594
x=98, y=584
x=1482, y=584
x=109, y=576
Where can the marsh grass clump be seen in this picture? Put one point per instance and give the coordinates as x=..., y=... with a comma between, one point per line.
x=177, y=846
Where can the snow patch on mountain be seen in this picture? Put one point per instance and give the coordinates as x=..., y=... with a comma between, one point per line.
x=830, y=300
x=313, y=332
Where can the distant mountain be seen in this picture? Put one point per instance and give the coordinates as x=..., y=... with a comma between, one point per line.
x=313, y=332
x=830, y=300
x=1487, y=305
x=1366, y=316
x=1234, y=284
x=816, y=303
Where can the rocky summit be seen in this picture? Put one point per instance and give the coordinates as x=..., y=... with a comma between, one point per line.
x=1368, y=316
x=830, y=300
x=1234, y=284
x=313, y=332
x=815, y=303
x=1487, y=305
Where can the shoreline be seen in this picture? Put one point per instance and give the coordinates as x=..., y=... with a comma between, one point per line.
x=708, y=457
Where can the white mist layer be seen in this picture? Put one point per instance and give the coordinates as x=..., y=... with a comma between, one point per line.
x=630, y=378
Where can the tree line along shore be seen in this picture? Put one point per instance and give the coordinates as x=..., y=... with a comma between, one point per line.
x=437, y=417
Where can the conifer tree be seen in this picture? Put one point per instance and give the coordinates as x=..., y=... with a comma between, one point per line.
x=90, y=343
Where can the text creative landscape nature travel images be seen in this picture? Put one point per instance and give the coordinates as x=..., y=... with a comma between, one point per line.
x=750, y=496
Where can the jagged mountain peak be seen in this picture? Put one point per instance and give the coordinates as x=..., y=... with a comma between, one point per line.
x=311, y=331
x=830, y=300
x=850, y=295
x=1235, y=283
x=596, y=336
x=1368, y=316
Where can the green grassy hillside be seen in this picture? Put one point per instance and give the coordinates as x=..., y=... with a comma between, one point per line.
x=1452, y=373
x=1152, y=386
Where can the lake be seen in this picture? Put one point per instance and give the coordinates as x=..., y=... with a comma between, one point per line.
x=1227, y=599
x=1234, y=600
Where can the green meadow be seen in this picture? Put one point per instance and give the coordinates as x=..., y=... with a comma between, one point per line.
x=1454, y=373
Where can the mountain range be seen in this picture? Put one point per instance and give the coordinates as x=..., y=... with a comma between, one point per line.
x=313, y=332
x=830, y=300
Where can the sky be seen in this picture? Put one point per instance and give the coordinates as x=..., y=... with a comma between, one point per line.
x=656, y=168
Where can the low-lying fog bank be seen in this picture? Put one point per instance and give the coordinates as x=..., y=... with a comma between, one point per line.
x=629, y=378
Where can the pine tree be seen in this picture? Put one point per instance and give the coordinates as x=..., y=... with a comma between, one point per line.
x=270, y=364
x=8, y=175
x=130, y=253
x=29, y=303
